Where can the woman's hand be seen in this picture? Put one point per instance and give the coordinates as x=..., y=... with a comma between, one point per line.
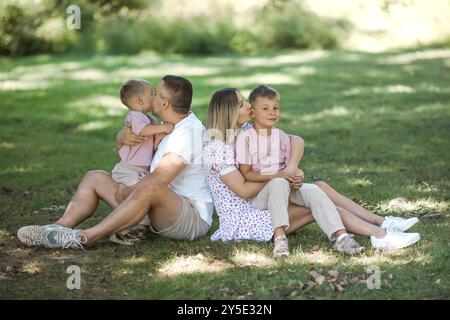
x=126, y=137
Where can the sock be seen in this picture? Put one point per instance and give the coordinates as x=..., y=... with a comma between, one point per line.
x=342, y=236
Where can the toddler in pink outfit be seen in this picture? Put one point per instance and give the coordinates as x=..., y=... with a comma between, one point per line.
x=137, y=95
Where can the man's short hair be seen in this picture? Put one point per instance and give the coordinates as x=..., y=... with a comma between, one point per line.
x=131, y=88
x=263, y=91
x=180, y=90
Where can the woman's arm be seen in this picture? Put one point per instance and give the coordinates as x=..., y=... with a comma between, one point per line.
x=236, y=182
x=297, y=149
x=252, y=176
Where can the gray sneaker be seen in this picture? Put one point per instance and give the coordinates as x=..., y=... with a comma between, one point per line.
x=280, y=247
x=64, y=238
x=33, y=235
x=348, y=245
x=51, y=236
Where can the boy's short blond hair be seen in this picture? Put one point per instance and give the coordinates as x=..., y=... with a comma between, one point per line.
x=131, y=88
x=263, y=91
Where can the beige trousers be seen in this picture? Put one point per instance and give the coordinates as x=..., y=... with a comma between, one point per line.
x=129, y=175
x=277, y=194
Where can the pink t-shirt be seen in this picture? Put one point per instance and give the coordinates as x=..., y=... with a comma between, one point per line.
x=266, y=154
x=141, y=154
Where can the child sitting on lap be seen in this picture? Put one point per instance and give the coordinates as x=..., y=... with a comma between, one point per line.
x=262, y=152
x=137, y=95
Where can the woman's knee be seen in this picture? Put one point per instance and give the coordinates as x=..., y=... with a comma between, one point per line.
x=322, y=185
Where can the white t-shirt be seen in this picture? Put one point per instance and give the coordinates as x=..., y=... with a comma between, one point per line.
x=186, y=140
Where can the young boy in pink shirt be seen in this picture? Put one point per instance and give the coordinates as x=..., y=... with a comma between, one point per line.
x=262, y=152
x=137, y=95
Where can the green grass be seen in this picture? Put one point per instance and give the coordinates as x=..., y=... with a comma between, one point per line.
x=376, y=127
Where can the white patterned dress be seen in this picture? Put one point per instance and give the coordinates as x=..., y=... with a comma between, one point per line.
x=238, y=219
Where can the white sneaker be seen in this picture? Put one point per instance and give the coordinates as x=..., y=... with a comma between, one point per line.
x=394, y=240
x=398, y=224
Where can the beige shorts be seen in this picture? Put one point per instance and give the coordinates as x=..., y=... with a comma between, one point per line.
x=189, y=225
x=127, y=174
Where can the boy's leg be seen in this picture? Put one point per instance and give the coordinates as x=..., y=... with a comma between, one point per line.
x=322, y=208
x=275, y=197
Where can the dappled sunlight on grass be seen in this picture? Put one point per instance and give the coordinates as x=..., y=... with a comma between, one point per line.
x=23, y=169
x=405, y=58
x=32, y=267
x=404, y=205
x=301, y=71
x=191, y=264
x=95, y=125
x=272, y=78
x=398, y=88
x=159, y=70
x=335, y=111
x=111, y=104
x=12, y=85
x=279, y=60
x=7, y=145
x=133, y=261
x=360, y=182
x=87, y=74
x=317, y=257
x=251, y=258
x=393, y=258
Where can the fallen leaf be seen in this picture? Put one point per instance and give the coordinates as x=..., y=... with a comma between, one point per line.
x=318, y=278
x=334, y=273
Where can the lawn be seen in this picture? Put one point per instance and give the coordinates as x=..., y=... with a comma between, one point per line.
x=376, y=127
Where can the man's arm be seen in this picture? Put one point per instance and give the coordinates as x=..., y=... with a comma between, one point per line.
x=127, y=137
x=168, y=168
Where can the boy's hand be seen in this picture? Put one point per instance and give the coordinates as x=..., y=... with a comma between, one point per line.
x=168, y=127
x=126, y=137
x=297, y=183
x=158, y=138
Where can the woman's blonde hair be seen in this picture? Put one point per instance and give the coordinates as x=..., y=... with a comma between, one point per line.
x=223, y=114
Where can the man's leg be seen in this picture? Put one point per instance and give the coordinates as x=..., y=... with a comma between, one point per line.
x=149, y=196
x=94, y=186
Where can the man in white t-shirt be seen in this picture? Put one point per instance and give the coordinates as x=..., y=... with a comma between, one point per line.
x=175, y=195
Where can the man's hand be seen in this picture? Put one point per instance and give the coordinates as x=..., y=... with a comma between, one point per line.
x=127, y=137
